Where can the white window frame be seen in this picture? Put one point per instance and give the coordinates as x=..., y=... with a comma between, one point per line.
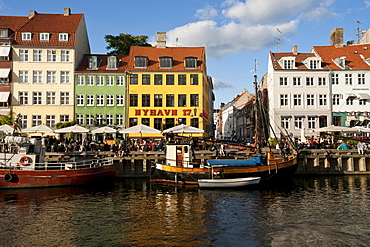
x=310, y=99
x=23, y=55
x=90, y=100
x=36, y=120
x=64, y=98
x=51, y=77
x=80, y=80
x=285, y=122
x=44, y=36
x=110, y=100
x=120, y=100
x=37, y=55
x=283, y=81
x=120, y=80
x=284, y=100
x=297, y=81
x=119, y=119
x=311, y=122
x=89, y=119
x=323, y=100
x=27, y=36
x=80, y=99
x=50, y=121
x=65, y=56
x=50, y=98
x=109, y=119
x=64, y=118
x=23, y=98
x=298, y=122
x=23, y=76
x=37, y=76
x=99, y=100
x=100, y=80
x=37, y=98
x=63, y=37
x=297, y=100
x=110, y=80
x=361, y=79
x=321, y=81
x=52, y=55
x=64, y=77
x=90, y=80
x=80, y=119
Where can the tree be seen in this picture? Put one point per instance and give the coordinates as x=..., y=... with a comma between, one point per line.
x=120, y=45
x=8, y=119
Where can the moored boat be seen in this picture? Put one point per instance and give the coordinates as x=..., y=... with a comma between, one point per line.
x=228, y=183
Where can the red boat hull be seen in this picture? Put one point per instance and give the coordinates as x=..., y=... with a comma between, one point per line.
x=50, y=178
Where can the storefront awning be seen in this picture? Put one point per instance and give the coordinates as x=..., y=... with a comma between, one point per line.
x=4, y=96
x=4, y=51
x=348, y=95
x=299, y=116
x=285, y=116
x=4, y=73
x=363, y=96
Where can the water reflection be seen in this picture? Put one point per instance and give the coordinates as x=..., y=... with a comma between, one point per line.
x=311, y=211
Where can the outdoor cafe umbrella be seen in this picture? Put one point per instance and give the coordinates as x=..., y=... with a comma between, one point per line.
x=140, y=128
x=336, y=129
x=39, y=129
x=72, y=129
x=6, y=128
x=182, y=129
x=362, y=129
x=103, y=130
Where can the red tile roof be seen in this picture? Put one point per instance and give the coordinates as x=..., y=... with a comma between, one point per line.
x=177, y=53
x=13, y=22
x=299, y=58
x=122, y=66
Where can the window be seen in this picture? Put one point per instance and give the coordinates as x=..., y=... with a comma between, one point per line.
x=110, y=80
x=141, y=62
x=194, y=79
x=133, y=100
x=348, y=79
x=321, y=81
x=158, y=79
x=3, y=33
x=64, y=98
x=165, y=62
x=297, y=99
x=170, y=100
x=181, y=121
x=99, y=100
x=50, y=98
x=145, y=121
x=158, y=102
x=322, y=99
x=158, y=123
x=100, y=80
x=283, y=81
x=37, y=98
x=52, y=55
x=170, y=122
x=112, y=63
x=132, y=122
x=90, y=80
x=145, y=79
x=298, y=122
x=310, y=99
x=26, y=36
x=296, y=81
x=65, y=55
x=309, y=81
x=64, y=118
x=89, y=119
x=80, y=119
x=23, y=55
x=194, y=122
x=50, y=121
x=110, y=100
x=44, y=36
x=349, y=100
x=315, y=64
x=336, y=98
x=99, y=119
x=285, y=122
x=145, y=100
x=335, y=79
x=182, y=100
x=191, y=62
x=120, y=100
x=37, y=55
x=181, y=79
x=64, y=77
x=134, y=79
x=37, y=76
x=23, y=76
x=51, y=77
x=361, y=79
x=92, y=62
x=80, y=100
x=311, y=122
x=81, y=80
x=120, y=80
x=90, y=100
x=283, y=100
x=288, y=64
x=63, y=37
x=119, y=119
x=24, y=121
x=362, y=102
x=194, y=100
x=170, y=79
x=23, y=98
x=109, y=119
x=36, y=120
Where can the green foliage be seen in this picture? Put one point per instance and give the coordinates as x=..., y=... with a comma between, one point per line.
x=273, y=141
x=8, y=119
x=120, y=45
x=65, y=124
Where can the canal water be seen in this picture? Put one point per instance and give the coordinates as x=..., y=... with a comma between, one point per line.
x=314, y=211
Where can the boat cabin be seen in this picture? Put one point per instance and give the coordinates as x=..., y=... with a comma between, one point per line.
x=180, y=155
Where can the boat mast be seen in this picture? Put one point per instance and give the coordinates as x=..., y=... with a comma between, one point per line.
x=256, y=112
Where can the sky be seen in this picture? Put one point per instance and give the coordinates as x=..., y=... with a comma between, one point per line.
x=235, y=33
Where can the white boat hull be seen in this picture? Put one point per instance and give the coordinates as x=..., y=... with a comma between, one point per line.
x=227, y=183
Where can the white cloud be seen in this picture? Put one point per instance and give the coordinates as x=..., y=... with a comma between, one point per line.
x=218, y=84
x=207, y=13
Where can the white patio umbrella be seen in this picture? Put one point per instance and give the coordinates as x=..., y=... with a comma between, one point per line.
x=39, y=129
x=6, y=128
x=336, y=129
x=362, y=129
x=72, y=129
x=182, y=129
x=140, y=129
x=103, y=130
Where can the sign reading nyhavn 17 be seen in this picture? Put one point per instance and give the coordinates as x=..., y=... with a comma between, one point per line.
x=160, y=112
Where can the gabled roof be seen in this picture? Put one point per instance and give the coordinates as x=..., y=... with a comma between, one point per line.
x=13, y=22
x=354, y=55
x=102, y=64
x=299, y=58
x=177, y=53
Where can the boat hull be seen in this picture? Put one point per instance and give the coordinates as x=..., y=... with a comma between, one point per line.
x=51, y=178
x=228, y=183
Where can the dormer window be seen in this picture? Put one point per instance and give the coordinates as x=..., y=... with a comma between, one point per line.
x=191, y=62
x=63, y=37
x=287, y=62
x=4, y=33
x=112, y=62
x=340, y=61
x=26, y=36
x=93, y=62
x=312, y=63
x=141, y=62
x=165, y=62
x=44, y=36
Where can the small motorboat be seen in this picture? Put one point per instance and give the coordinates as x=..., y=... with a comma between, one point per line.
x=227, y=183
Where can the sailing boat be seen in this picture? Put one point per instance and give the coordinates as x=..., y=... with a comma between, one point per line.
x=264, y=166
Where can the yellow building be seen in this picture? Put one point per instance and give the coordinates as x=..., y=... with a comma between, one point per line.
x=168, y=86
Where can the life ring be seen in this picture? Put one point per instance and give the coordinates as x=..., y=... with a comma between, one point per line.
x=24, y=161
x=8, y=177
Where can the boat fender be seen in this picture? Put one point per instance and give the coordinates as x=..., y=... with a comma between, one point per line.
x=24, y=161
x=8, y=177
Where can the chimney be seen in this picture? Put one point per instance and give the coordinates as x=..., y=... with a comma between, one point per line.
x=67, y=11
x=295, y=50
x=32, y=13
x=336, y=37
x=161, y=39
